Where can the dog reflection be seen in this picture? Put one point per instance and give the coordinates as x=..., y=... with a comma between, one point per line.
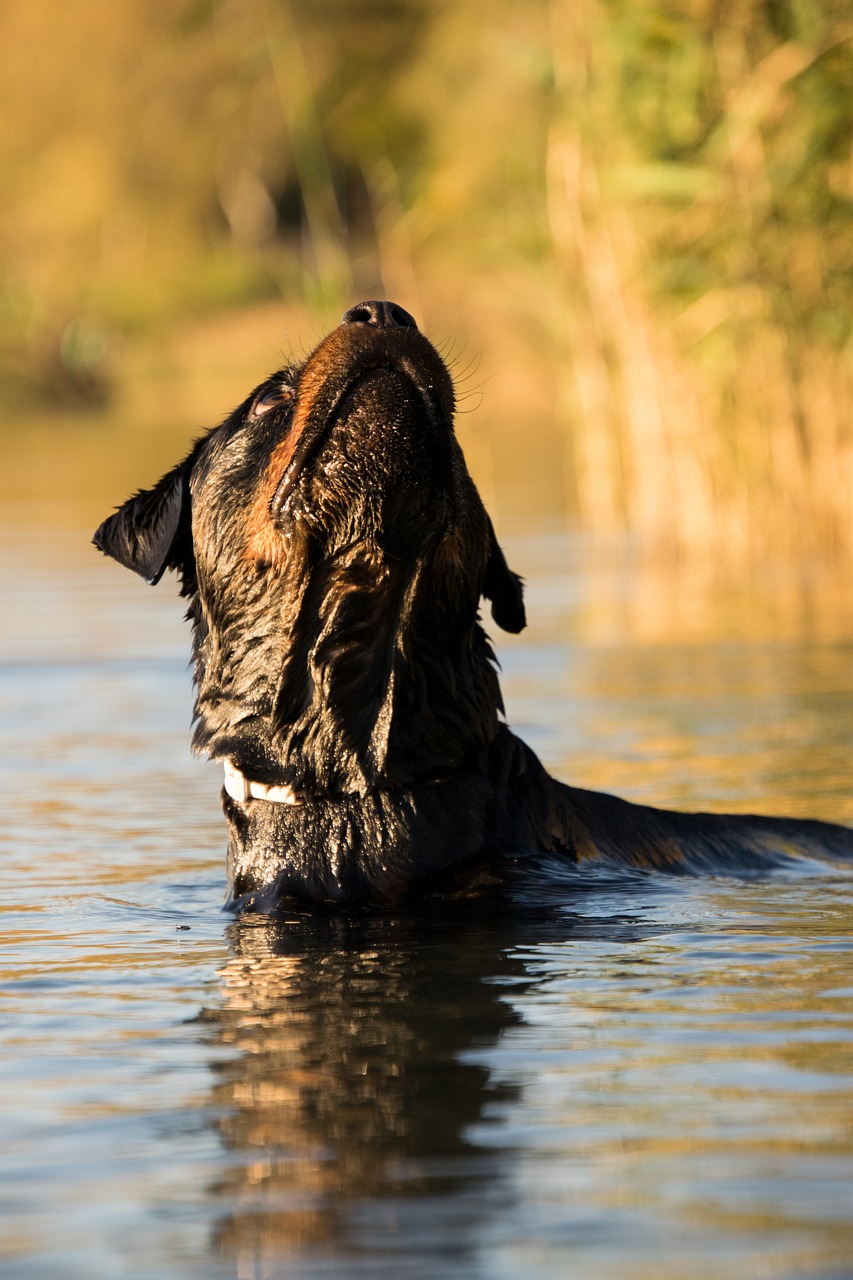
x=348, y=1081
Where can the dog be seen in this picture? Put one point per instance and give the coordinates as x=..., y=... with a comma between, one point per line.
x=334, y=552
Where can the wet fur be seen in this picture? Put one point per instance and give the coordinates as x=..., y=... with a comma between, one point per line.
x=334, y=552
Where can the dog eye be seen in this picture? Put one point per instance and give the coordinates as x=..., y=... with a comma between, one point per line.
x=269, y=400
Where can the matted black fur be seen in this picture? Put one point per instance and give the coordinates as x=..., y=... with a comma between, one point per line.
x=334, y=552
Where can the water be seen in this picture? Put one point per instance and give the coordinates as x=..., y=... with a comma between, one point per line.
x=628, y=1077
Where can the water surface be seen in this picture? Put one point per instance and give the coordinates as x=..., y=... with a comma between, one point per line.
x=621, y=1077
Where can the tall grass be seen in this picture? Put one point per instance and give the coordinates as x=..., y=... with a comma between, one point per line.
x=699, y=185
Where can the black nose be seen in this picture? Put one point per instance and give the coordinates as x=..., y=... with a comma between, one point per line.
x=382, y=315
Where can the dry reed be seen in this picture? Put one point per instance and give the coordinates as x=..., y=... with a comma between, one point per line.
x=720, y=421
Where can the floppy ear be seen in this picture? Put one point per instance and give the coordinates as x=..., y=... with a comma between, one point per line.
x=145, y=534
x=504, y=589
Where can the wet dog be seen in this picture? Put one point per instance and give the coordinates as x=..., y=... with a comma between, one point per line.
x=334, y=552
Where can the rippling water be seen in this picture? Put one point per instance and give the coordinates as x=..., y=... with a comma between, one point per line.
x=627, y=1077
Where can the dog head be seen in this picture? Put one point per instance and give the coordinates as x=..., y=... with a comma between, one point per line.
x=334, y=551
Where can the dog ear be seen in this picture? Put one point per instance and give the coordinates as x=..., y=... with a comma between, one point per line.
x=146, y=534
x=504, y=589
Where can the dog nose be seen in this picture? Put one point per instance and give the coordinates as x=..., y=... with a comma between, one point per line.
x=382, y=315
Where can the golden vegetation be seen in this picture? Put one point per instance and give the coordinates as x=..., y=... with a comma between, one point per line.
x=649, y=201
x=700, y=185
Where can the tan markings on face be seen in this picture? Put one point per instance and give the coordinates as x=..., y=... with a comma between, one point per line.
x=327, y=367
x=264, y=541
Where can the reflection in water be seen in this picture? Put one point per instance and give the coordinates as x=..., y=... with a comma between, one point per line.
x=508, y=1088
x=349, y=1081
x=349, y=1104
x=692, y=1104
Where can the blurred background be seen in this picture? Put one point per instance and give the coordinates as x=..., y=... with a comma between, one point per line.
x=627, y=225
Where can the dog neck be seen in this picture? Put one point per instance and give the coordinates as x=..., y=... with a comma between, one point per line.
x=359, y=677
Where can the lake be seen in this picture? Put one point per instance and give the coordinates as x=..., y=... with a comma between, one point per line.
x=611, y=1077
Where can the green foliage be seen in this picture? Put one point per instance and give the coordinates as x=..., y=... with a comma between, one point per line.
x=727, y=130
x=701, y=189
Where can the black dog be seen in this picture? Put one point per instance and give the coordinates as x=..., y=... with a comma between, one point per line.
x=334, y=551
